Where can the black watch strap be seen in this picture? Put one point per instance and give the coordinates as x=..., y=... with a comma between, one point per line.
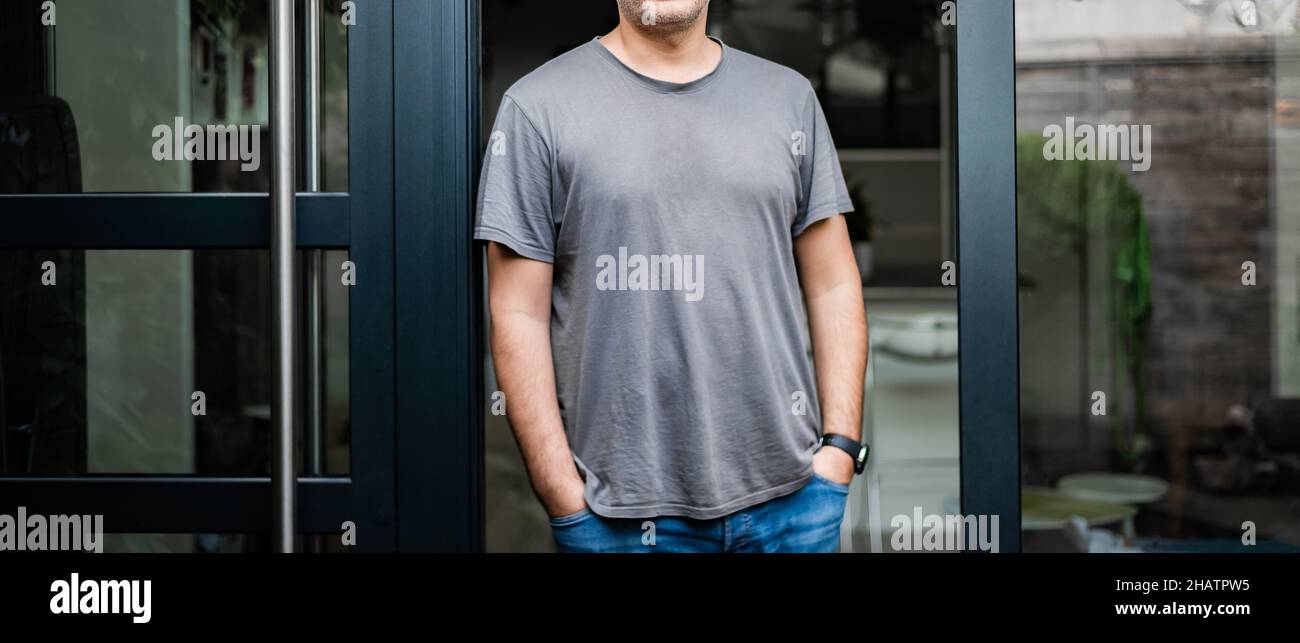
x=855, y=449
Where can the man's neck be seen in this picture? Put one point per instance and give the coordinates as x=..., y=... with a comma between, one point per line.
x=678, y=57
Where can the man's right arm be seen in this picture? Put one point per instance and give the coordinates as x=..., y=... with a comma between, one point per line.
x=519, y=295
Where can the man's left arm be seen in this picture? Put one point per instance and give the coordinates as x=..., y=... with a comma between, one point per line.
x=837, y=319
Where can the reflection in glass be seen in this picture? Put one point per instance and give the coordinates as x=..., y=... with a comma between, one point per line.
x=86, y=104
x=1158, y=330
x=149, y=361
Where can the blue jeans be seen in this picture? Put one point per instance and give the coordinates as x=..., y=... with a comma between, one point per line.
x=807, y=520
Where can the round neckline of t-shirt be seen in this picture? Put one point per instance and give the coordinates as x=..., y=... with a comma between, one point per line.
x=663, y=86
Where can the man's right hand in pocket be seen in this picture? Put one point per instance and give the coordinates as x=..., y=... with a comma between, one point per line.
x=567, y=499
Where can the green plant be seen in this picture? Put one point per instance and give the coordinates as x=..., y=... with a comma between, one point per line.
x=1063, y=207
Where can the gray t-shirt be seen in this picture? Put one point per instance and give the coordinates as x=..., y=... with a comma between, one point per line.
x=669, y=211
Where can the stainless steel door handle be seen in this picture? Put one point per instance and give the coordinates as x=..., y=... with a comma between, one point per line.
x=284, y=276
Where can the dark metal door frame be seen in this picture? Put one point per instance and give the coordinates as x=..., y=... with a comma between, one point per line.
x=416, y=346
x=360, y=221
x=988, y=312
x=439, y=364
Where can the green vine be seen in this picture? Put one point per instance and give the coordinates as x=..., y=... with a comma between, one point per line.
x=1061, y=207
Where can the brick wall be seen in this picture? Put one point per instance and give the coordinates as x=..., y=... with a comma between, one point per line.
x=1208, y=206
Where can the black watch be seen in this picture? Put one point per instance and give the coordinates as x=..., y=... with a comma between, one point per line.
x=855, y=449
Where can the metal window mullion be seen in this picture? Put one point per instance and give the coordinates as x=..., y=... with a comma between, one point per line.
x=986, y=256
x=314, y=411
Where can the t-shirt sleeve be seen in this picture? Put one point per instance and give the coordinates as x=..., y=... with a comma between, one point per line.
x=824, y=193
x=514, y=197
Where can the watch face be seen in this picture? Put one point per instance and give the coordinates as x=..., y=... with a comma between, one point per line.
x=862, y=455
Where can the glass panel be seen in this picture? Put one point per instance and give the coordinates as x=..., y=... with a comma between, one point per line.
x=334, y=98
x=143, y=361
x=151, y=96
x=884, y=76
x=1159, y=144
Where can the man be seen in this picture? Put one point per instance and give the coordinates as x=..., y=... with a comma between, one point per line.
x=654, y=201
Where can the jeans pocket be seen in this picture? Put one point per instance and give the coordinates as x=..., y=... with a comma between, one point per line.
x=834, y=486
x=574, y=518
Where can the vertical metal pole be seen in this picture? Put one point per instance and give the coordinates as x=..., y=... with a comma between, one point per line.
x=311, y=66
x=283, y=276
x=947, y=215
x=314, y=412
x=314, y=341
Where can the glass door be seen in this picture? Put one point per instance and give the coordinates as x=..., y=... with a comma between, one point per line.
x=136, y=308
x=1159, y=258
